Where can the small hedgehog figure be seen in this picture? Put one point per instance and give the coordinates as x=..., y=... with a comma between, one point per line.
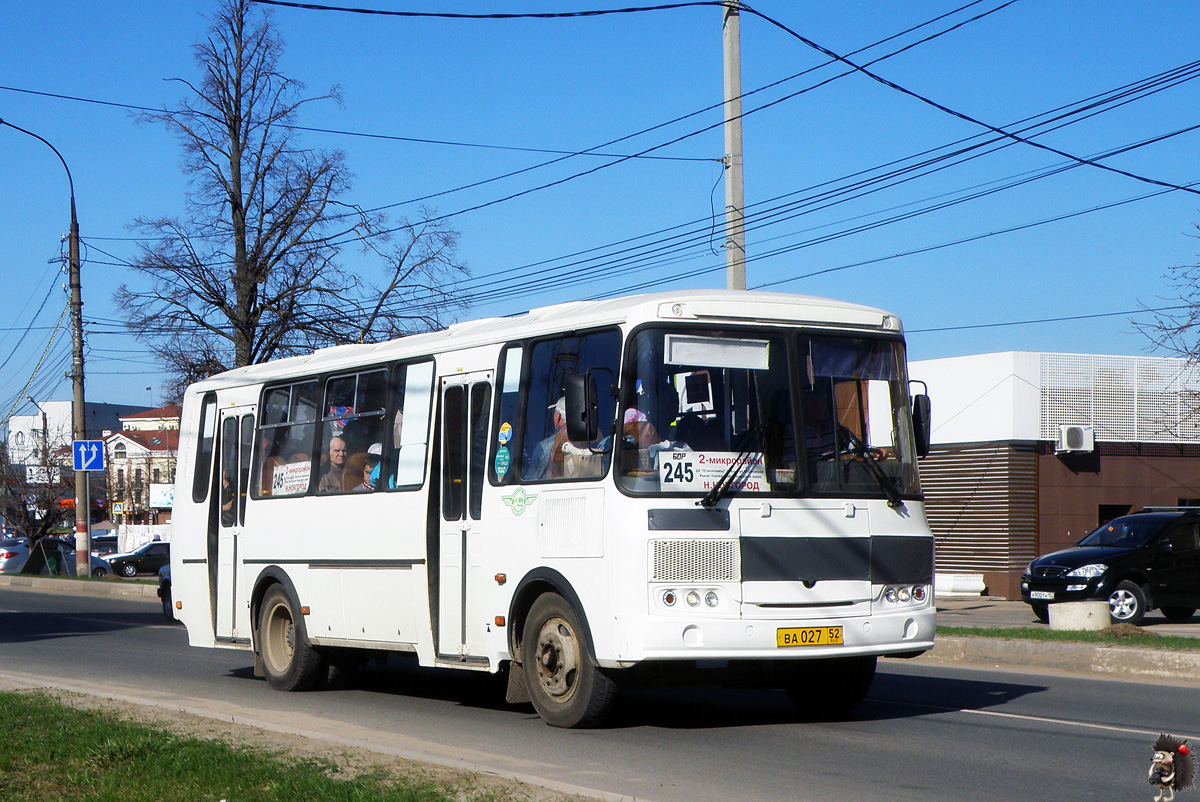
x=1172, y=767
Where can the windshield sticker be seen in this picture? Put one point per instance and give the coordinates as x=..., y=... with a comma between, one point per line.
x=519, y=501
x=701, y=470
x=503, y=460
x=505, y=433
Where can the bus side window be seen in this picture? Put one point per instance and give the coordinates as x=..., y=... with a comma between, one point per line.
x=506, y=443
x=547, y=453
x=410, y=426
x=283, y=462
x=353, y=431
x=204, y=450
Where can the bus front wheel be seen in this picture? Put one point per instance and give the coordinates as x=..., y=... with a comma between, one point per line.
x=830, y=688
x=289, y=662
x=565, y=685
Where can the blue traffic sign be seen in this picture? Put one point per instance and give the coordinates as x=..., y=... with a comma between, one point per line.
x=89, y=455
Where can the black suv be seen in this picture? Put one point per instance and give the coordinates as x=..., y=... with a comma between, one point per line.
x=1136, y=563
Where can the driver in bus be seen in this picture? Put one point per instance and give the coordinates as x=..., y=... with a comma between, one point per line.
x=548, y=454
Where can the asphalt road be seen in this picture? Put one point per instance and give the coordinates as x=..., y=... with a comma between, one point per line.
x=924, y=733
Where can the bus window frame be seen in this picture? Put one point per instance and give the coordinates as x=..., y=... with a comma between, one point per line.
x=393, y=369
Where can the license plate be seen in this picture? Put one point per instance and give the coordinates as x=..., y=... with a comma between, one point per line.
x=1042, y=595
x=809, y=636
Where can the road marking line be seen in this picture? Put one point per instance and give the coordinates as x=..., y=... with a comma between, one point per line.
x=1040, y=719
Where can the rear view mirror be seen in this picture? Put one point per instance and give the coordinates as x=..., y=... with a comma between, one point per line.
x=921, y=423
x=582, y=407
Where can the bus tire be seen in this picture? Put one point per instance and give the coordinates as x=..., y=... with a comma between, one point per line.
x=830, y=688
x=565, y=685
x=289, y=662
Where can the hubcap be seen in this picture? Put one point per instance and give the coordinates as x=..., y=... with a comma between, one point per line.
x=1122, y=604
x=557, y=658
x=281, y=639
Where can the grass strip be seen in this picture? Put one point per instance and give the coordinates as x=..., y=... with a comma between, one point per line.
x=51, y=751
x=1112, y=636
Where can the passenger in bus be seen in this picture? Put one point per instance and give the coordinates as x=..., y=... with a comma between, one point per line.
x=331, y=480
x=370, y=469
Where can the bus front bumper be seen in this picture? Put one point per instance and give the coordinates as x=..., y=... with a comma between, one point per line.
x=657, y=637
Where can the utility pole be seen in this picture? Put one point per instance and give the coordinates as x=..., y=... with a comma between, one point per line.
x=83, y=520
x=79, y=424
x=735, y=218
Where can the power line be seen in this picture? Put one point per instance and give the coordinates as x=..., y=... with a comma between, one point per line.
x=1063, y=319
x=960, y=115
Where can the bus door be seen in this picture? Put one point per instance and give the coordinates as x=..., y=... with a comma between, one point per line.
x=236, y=434
x=465, y=411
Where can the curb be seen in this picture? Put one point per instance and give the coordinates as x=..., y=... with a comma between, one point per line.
x=79, y=587
x=1080, y=658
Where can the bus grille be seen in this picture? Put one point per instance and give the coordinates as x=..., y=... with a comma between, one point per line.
x=696, y=561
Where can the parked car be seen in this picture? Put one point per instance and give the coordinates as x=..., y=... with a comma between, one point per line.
x=13, y=552
x=145, y=559
x=57, y=558
x=164, y=593
x=104, y=545
x=1136, y=563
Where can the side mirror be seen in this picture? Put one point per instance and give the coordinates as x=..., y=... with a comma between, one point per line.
x=582, y=407
x=921, y=425
x=1163, y=545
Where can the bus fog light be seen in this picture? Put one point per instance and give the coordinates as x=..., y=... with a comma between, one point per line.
x=890, y=595
x=711, y=599
x=919, y=593
x=669, y=598
x=693, y=598
x=904, y=594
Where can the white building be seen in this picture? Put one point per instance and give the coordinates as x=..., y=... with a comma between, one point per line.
x=1031, y=451
x=141, y=466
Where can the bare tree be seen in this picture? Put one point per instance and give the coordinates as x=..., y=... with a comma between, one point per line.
x=253, y=270
x=30, y=500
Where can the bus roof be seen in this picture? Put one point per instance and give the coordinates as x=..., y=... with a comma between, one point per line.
x=707, y=306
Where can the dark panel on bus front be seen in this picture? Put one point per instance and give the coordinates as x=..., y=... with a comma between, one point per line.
x=882, y=560
x=702, y=520
x=901, y=560
x=805, y=559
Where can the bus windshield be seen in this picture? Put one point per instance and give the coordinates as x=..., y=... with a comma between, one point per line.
x=712, y=413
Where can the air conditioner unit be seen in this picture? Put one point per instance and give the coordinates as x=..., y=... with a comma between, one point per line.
x=1075, y=439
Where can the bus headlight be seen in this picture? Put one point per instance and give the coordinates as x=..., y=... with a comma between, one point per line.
x=919, y=593
x=890, y=595
x=693, y=598
x=669, y=598
x=711, y=599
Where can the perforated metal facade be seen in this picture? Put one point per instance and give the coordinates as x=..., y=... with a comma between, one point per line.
x=1125, y=399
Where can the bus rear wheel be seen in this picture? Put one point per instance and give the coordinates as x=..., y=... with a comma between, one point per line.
x=289, y=662
x=830, y=688
x=565, y=685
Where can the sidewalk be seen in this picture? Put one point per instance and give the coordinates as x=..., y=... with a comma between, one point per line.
x=1113, y=660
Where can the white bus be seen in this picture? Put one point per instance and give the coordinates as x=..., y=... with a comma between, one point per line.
x=671, y=487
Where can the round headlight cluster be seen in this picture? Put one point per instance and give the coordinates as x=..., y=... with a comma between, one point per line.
x=903, y=594
x=692, y=597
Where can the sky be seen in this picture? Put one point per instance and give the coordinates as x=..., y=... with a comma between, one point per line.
x=967, y=252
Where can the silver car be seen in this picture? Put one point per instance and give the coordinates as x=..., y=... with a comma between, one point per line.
x=13, y=552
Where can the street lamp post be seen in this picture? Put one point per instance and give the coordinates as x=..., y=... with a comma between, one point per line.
x=78, y=425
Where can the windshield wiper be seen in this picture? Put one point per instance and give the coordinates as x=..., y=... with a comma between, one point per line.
x=751, y=441
x=871, y=458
